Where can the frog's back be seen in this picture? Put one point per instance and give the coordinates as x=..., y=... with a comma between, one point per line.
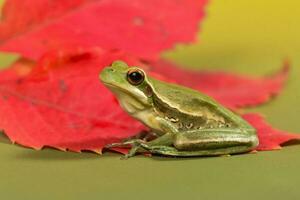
x=191, y=103
x=182, y=98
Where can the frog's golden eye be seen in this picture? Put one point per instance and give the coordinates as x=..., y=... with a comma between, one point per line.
x=135, y=76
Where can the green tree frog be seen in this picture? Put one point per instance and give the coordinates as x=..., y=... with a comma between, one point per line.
x=185, y=121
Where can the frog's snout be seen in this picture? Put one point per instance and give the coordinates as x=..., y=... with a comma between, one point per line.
x=115, y=74
x=104, y=73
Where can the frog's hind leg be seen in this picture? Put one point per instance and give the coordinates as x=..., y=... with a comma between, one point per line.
x=172, y=151
x=208, y=142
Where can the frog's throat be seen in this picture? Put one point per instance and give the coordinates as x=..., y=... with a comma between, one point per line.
x=130, y=102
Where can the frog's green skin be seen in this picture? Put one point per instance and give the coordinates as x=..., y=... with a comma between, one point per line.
x=186, y=122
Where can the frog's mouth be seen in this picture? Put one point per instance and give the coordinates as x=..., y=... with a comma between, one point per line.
x=115, y=88
x=132, y=101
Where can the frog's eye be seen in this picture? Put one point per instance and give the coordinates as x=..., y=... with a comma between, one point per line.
x=135, y=76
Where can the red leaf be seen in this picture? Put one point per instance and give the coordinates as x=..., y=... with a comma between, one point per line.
x=231, y=90
x=19, y=69
x=269, y=138
x=63, y=105
x=143, y=28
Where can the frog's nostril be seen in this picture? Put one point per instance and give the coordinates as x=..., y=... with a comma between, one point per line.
x=111, y=69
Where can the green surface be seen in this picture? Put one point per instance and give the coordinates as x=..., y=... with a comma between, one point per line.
x=250, y=37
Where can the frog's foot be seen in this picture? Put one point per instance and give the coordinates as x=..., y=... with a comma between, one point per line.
x=136, y=145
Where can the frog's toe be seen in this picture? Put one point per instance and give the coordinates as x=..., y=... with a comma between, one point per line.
x=115, y=145
x=133, y=142
x=126, y=156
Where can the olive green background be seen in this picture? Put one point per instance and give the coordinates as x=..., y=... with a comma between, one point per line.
x=248, y=37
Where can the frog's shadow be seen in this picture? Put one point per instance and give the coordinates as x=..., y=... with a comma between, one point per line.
x=181, y=158
x=4, y=139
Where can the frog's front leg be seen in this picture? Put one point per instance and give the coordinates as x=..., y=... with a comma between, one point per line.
x=138, y=145
x=142, y=146
x=208, y=142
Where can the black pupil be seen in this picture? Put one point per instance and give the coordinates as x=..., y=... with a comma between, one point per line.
x=135, y=77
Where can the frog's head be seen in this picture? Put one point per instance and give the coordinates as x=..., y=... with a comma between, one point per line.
x=129, y=84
